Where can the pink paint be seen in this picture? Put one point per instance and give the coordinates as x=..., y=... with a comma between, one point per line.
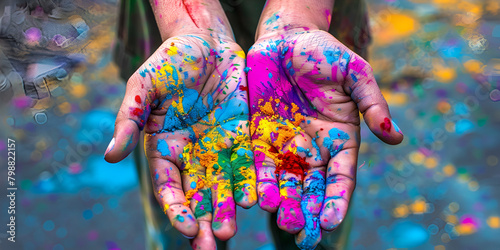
x=197, y=197
x=358, y=66
x=328, y=15
x=336, y=165
x=270, y=196
x=290, y=214
x=226, y=211
x=342, y=193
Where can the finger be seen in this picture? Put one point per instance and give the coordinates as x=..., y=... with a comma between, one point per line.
x=130, y=119
x=204, y=240
x=267, y=185
x=340, y=183
x=169, y=193
x=362, y=86
x=312, y=200
x=291, y=172
x=214, y=155
x=335, y=63
x=201, y=204
x=245, y=192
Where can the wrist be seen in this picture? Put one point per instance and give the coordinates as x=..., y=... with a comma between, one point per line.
x=281, y=16
x=194, y=17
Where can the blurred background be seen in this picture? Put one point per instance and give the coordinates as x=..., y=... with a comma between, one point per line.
x=437, y=62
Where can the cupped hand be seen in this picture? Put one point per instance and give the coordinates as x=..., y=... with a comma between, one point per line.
x=190, y=98
x=306, y=91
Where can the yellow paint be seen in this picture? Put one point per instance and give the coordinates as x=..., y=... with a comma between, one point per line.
x=395, y=99
x=190, y=193
x=443, y=107
x=417, y=158
x=439, y=247
x=493, y=222
x=493, y=7
x=474, y=66
x=444, y=74
x=449, y=170
x=418, y=207
x=78, y=90
x=64, y=107
x=431, y=162
x=465, y=229
x=267, y=108
x=444, y=2
x=165, y=208
x=242, y=140
x=393, y=25
x=401, y=211
x=452, y=219
x=240, y=53
x=172, y=50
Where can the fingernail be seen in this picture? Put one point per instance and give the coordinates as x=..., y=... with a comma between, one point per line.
x=110, y=146
x=396, y=127
x=187, y=237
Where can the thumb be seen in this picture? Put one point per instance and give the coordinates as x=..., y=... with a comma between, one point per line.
x=362, y=86
x=131, y=118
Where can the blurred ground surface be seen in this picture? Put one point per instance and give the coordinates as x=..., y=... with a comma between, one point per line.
x=438, y=62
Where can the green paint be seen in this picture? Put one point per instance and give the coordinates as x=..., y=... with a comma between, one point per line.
x=240, y=161
x=204, y=206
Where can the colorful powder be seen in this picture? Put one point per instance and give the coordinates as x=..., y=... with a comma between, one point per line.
x=291, y=163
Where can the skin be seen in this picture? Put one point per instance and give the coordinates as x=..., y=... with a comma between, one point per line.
x=306, y=92
x=190, y=98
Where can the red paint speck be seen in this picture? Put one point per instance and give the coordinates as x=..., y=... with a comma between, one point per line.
x=138, y=99
x=292, y=163
x=243, y=88
x=137, y=112
x=386, y=125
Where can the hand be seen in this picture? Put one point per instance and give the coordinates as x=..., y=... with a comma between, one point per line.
x=306, y=91
x=190, y=98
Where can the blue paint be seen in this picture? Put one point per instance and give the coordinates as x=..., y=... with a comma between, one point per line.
x=162, y=147
x=344, y=62
x=315, y=145
x=171, y=122
x=335, y=134
x=354, y=78
x=463, y=126
x=315, y=190
x=242, y=152
x=332, y=55
x=194, y=109
x=408, y=234
x=274, y=17
x=305, y=150
x=396, y=127
x=231, y=113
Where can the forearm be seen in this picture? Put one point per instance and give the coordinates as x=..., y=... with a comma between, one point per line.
x=282, y=15
x=180, y=17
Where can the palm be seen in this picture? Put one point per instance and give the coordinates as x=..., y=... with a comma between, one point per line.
x=305, y=89
x=193, y=107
